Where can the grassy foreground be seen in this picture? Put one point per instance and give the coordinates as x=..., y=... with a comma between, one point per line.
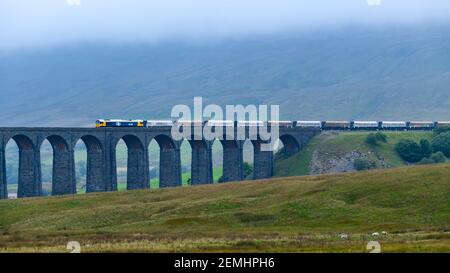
x=293, y=214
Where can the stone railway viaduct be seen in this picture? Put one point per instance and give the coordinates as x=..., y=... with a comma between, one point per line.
x=101, y=157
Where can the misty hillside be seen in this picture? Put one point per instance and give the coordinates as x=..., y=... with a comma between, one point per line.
x=345, y=74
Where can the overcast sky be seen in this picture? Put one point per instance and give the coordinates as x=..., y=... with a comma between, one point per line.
x=30, y=23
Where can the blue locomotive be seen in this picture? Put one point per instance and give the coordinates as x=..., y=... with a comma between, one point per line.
x=120, y=123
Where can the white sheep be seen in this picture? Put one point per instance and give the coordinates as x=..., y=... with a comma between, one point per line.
x=384, y=233
x=343, y=236
x=375, y=234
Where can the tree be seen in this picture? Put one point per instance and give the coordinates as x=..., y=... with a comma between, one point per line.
x=247, y=169
x=381, y=137
x=409, y=150
x=425, y=146
x=374, y=138
x=413, y=152
x=371, y=139
x=361, y=164
x=426, y=161
x=438, y=157
x=440, y=130
x=441, y=143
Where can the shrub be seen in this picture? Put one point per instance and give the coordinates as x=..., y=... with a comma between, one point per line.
x=371, y=139
x=361, y=164
x=247, y=169
x=381, y=137
x=441, y=143
x=282, y=154
x=441, y=130
x=438, y=157
x=409, y=150
x=375, y=138
x=426, y=161
x=425, y=146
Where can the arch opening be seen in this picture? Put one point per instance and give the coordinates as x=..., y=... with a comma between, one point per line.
x=121, y=165
x=47, y=158
x=285, y=147
x=248, y=155
x=217, y=161
x=153, y=155
x=29, y=172
x=288, y=146
x=80, y=155
x=186, y=162
x=11, y=168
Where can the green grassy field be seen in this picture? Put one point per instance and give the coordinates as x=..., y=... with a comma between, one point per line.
x=154, y=183
x=293, y=214
x=335, y=143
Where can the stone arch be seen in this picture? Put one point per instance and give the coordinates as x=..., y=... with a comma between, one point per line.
x=9, y=172
x=199, y=144
x=63, y=169
x=95, y=165
x=263, y=160
x=290, y=145
x=29, y=183
x=3, y=182
x=232, y=160
x=201, y=162
x=165, y=142
x=137, y=163
x=231, y=144
x=133, y=142
x=169, y=161
x=58, y=143
x=92, y=143
x=23, y=142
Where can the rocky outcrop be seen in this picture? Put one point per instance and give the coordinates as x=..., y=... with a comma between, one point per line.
x=324, y=162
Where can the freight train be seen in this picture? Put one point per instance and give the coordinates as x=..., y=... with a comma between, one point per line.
x=322, y=125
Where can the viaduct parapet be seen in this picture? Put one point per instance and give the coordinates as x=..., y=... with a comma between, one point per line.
x=101, y=157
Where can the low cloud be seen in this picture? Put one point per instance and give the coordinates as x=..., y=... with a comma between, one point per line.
x=30, y=23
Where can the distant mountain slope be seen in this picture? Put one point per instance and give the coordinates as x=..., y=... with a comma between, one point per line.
x=345, y=74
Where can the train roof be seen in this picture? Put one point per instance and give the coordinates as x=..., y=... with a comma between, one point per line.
x=119, y=120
